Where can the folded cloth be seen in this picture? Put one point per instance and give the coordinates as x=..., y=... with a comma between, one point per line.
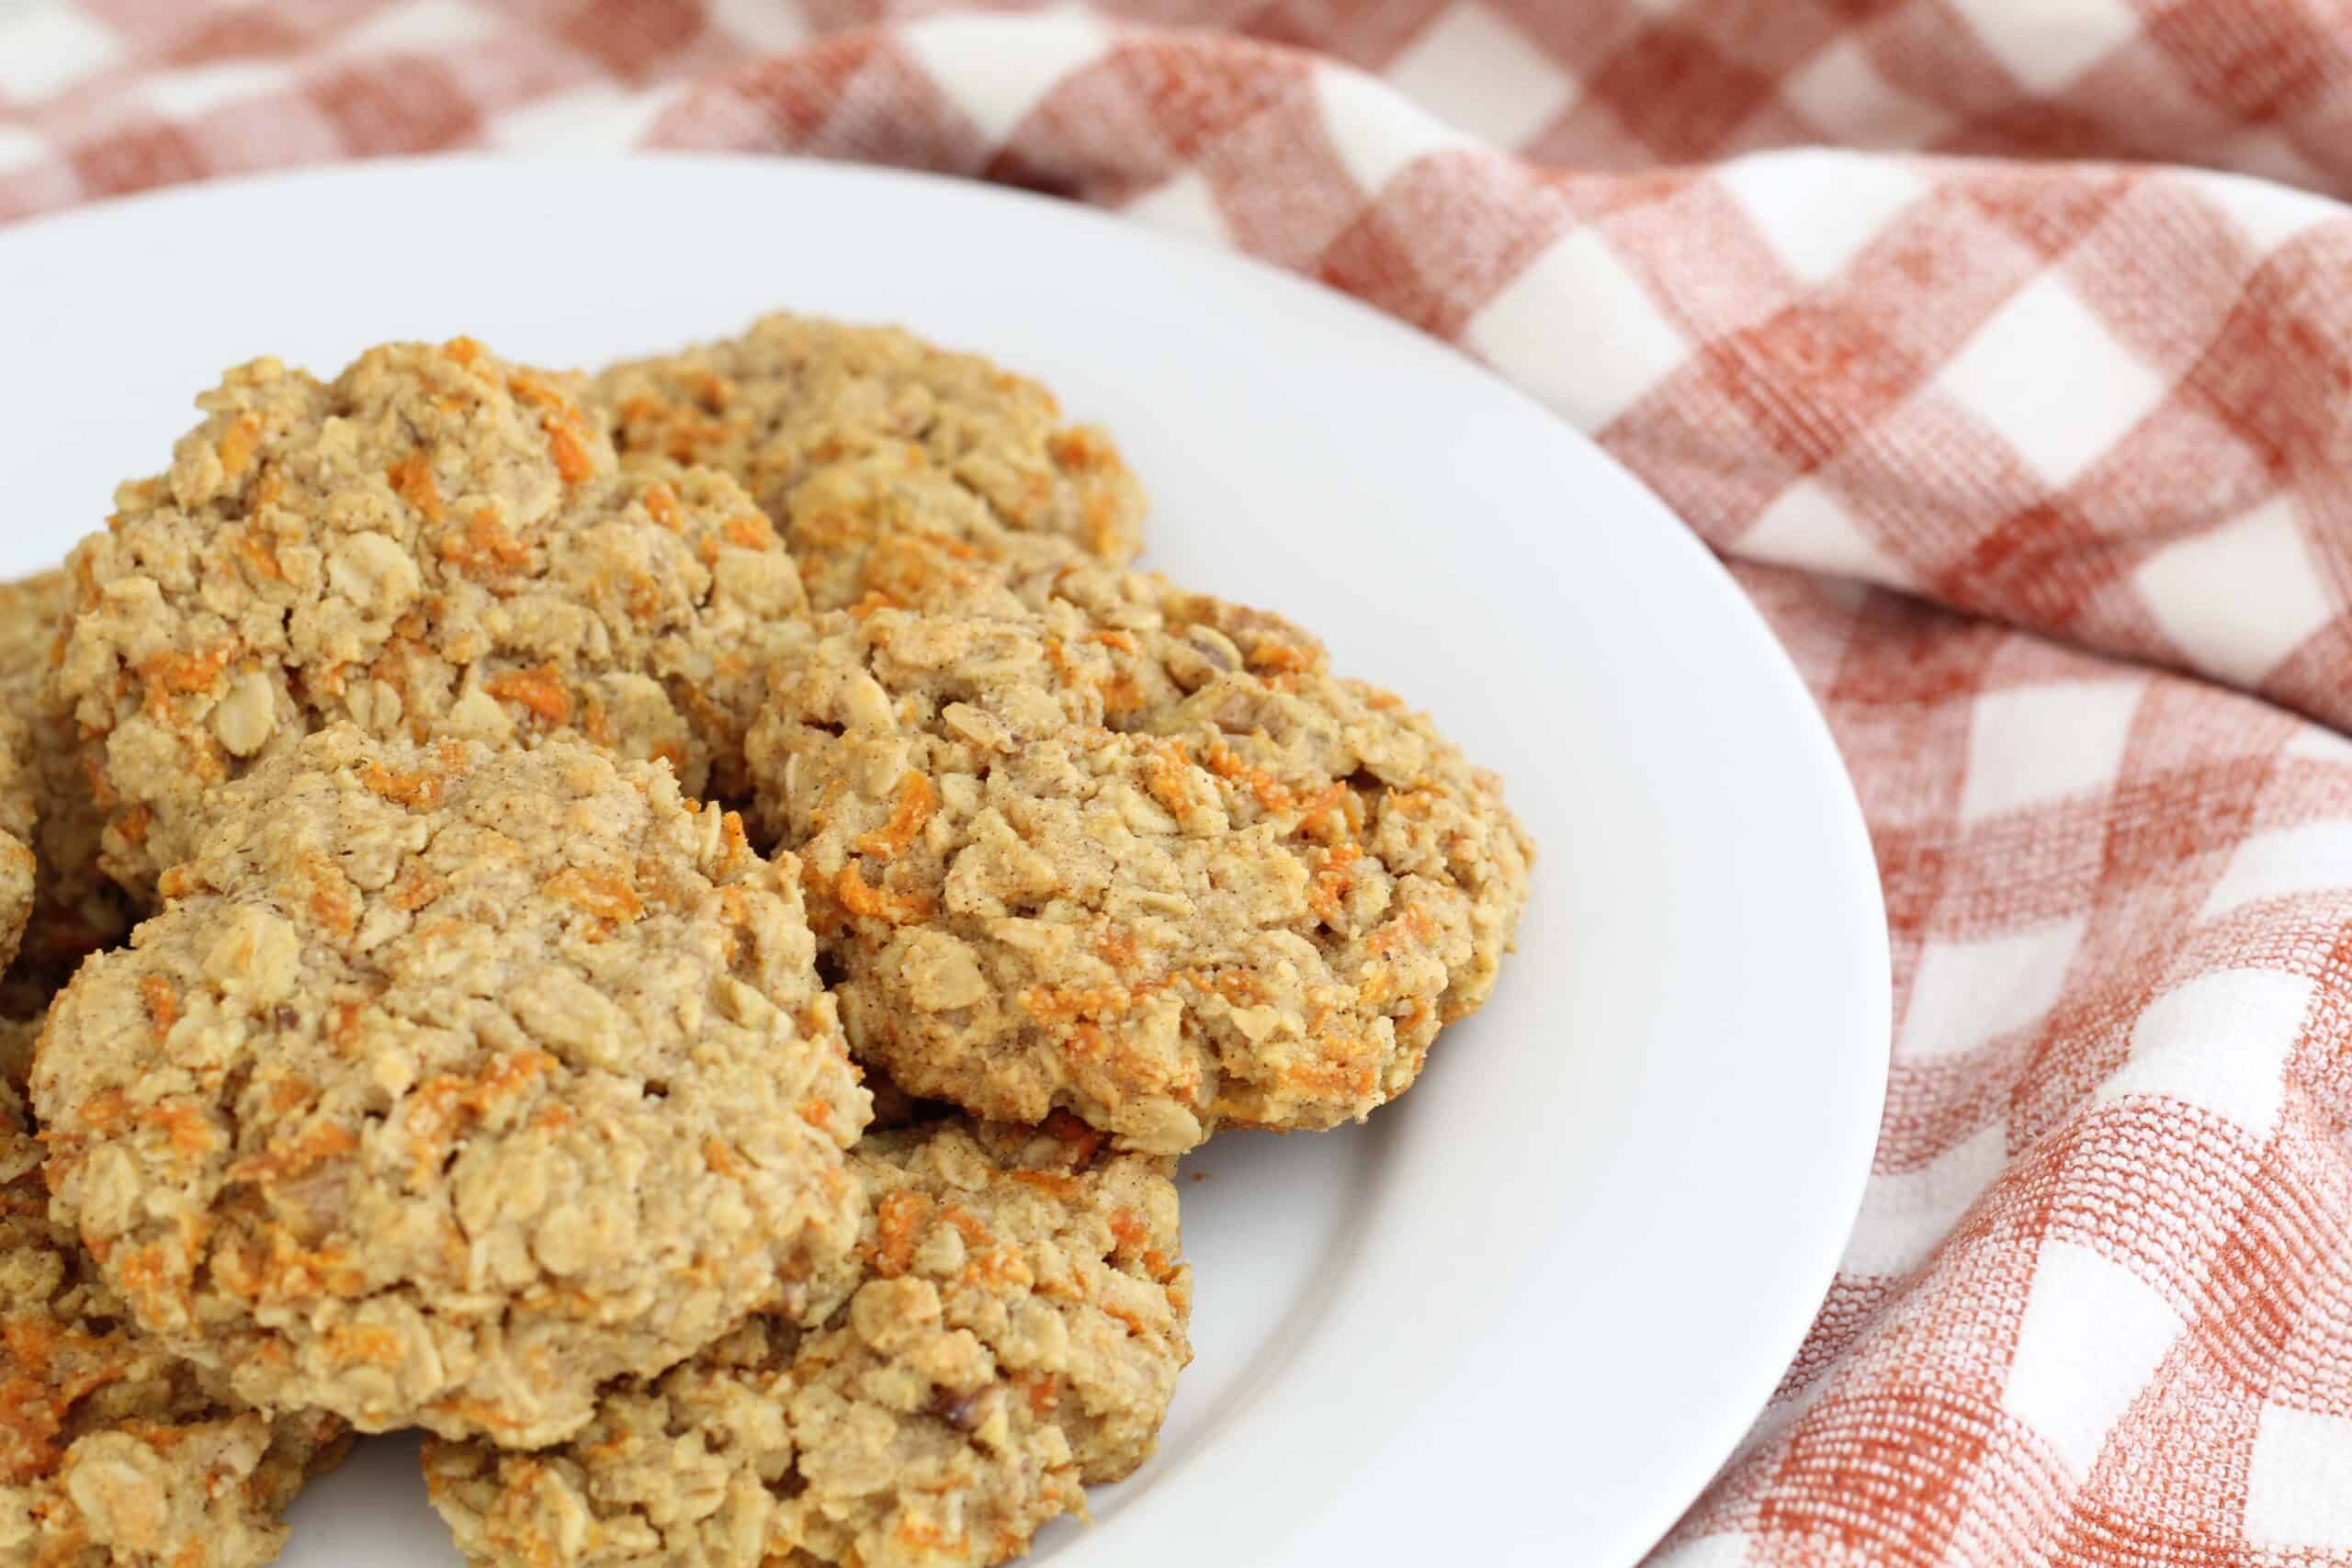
x=2042, y=470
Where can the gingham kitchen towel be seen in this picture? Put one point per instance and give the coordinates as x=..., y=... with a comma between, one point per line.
x=2088, y=424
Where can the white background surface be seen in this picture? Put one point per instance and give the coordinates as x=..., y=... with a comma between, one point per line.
x=1521, y=1316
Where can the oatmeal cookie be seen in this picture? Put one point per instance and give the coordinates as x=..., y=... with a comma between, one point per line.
x=114, y=1453
x=453, y=1082
x=1133, y=853
x=437, y=544
x=882, y=455
x=48, y=801
x=1017, y=1325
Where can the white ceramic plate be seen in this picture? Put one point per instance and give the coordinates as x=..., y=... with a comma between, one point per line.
x=1524, y=1313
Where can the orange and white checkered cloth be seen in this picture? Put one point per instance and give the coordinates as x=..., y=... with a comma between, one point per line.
x=2086, y=425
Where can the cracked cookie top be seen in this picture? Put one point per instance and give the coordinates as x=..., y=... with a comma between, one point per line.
x=115, y=1453
x=890, y=464
x=1013, y=1328
x=435, y=544
x=1132, y=853
x=450, y=1082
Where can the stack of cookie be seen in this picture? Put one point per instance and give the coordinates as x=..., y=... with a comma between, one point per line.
x=670, y=931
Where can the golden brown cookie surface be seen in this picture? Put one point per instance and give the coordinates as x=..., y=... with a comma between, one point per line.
x=435, y=544
x=451, y=1082
x=1132, y=853
x=887, y=461
x=1012, y=1332
x=114, y=1453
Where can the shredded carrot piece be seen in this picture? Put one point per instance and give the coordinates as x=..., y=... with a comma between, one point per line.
x=661, y=505
x=106, y=1113
x=1042, y=1390
x=257, y=553
x=1271, y=795
x=411, y=480
x=1411, y=926
x=917, y=800
x=442, y=1106
x=537, y=690
x=1128, y=1226
x=322, y=1142
x=750, y=531
x=868, y=902
x=571, y=449
x=1281, y=658
x=162, y=1002
x=331, y=905
x=172, y=671
x=484, y=547
x=1051, y=1004
x=600, y=893
x=416, y=789
x=898, y=1223
x=239, y=444
x=375, y=1346
x=185, y=1128
x=1332, y=882
x=1085, y=1141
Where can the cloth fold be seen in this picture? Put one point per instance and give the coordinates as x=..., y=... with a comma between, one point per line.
x=2035, y=465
